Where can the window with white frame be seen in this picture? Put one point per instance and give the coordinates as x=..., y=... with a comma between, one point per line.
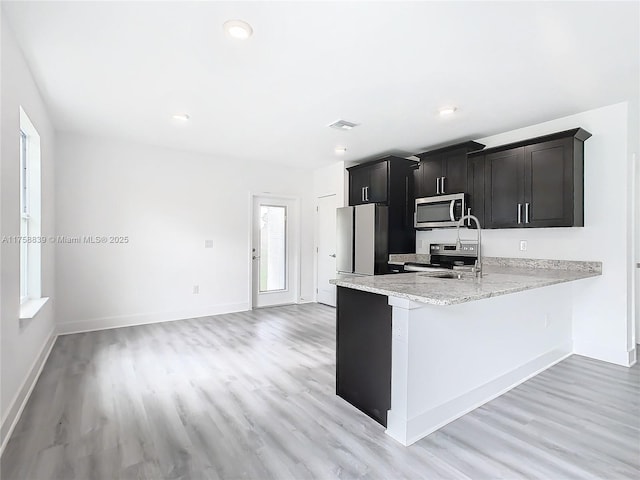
x=30, y=210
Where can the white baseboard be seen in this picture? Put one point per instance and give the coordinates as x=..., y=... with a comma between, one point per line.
x=106, y=323
x=18, y=403
x=302, y=302
x=618, y=357
x=428, y=422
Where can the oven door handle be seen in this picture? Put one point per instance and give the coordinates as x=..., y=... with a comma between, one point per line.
x=451, y=207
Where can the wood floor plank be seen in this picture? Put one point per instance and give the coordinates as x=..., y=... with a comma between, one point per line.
x=252, y=396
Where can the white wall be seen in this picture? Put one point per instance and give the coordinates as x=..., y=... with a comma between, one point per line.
x=167, y=202
x=601, y=310
x=448, y=360
x=634, y=198
x=23, y=344
x=331, y=180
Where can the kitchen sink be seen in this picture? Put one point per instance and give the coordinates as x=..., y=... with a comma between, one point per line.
x=441, y=275
x=451, y=275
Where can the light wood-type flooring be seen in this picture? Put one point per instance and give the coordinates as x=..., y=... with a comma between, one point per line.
x=252, y=395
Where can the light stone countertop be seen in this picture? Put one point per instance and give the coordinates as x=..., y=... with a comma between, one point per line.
x=497, y=280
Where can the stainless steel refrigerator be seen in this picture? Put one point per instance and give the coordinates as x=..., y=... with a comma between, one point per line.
x=362, y=243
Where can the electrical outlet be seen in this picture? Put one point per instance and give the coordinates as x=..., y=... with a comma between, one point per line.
x=523, y=245
x=196, y=289
x=208, y=244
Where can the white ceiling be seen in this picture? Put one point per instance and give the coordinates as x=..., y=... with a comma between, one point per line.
x=122, y=69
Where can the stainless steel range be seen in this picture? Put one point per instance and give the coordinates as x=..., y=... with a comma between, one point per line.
x=445, y=257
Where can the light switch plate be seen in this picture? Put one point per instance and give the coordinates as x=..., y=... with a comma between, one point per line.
x=523, y=245
x=208, y=244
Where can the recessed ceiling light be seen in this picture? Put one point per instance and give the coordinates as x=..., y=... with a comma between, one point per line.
x=340, y=150
x=343, y=125
x=444, y=111
x=238, y=29
x=182, y=117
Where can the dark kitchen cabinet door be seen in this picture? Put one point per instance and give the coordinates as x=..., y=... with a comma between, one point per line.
x=363, y=352
x=454, y=172
x=378, y=183
x=475, y=190
x=504, y=188
x=548, y=178
x=444, y=171
x=429, y=181
x=369, y=183
x=358, y=180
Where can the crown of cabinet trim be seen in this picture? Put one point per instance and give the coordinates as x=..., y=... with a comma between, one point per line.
x=411, y=163
x=578, y=133
x=469, y=146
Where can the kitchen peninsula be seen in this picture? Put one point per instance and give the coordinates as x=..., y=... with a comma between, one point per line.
x=415, y=351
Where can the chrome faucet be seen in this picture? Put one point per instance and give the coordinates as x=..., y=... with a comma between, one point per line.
x=478, y=266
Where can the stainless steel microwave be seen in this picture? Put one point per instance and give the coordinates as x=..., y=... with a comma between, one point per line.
x=440, y=211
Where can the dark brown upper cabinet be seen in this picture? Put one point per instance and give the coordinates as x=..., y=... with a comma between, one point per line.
x=475, y=190
x=388, y=181
x=443, y=171
x=534, y=183
x=368, y=183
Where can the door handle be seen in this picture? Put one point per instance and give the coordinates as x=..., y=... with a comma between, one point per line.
x=438, y=185
x=333, y=255
x=526, y=213
x=442, y=184
x=255, y=257
x=519, y=213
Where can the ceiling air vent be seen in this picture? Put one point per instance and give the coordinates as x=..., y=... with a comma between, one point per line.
x=343, y=125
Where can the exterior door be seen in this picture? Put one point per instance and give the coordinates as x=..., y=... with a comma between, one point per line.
x=272, y=255
x=326, y=250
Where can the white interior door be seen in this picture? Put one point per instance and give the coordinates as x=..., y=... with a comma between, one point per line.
x=326, y=252
x=272, y=252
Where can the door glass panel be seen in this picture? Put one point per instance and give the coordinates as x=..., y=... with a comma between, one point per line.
x=273, y=248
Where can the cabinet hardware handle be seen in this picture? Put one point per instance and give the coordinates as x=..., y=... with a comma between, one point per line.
x=442, y=184
x=526, y=212
x=366, y=194
x=519, y=213
x=438, y=186
x=362, y=194
x=468, y=219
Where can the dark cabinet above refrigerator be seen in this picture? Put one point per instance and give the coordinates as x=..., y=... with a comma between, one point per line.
x=369, y=184
x=388, y=181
